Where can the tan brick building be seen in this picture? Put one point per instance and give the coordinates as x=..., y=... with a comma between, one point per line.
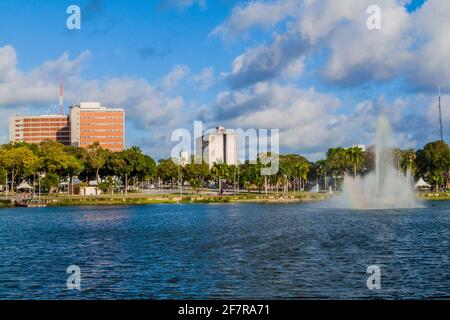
x=90, y=122
x=87, y=123
x=35, y=129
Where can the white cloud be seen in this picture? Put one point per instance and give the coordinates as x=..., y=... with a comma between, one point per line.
x=281, y=58
x=256, y=14
x=310, y=121
x=205, y=79
x=303, y=116
x=173, y=78
x=149, y=108
x=414, y=46
x=145, y=105
x=40, y=85
x=432, y=113
x=181, y=4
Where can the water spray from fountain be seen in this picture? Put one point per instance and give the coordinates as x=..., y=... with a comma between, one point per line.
x=385, y=187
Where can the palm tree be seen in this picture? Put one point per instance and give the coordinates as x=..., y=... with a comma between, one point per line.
x=398, y=157
x=337, y=162
x=409, y=161
x=302, y=169
x=220, y=171
x=355, y=157
x=322, y=170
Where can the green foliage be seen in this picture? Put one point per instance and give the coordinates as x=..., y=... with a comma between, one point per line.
x=196, y=171
x=195, y=184
x=220, y=172
x=22, y=161
x=408, y=161
x=168, y=171
x=108, y=185
x=433, y=162
x=3, y=173
x=53, y=158
x=50, y=183
x=17, y=159
x=250, y=176
x=97, y=157
x=129, y=164
x=340, y=160
x=355, y=158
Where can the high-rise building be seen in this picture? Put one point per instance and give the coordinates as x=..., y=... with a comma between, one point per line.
x=35, y=129
x=91, y=122
x=219, y=146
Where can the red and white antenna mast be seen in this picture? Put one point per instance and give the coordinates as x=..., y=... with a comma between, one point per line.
x=60, y=97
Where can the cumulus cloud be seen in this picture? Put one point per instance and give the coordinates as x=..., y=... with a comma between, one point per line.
x=145, y=105
x=149, y=107
x=255, y=14
x=173, y=78
x=267, y=62
x=310, y=121
x=304, y=117
x=181, y=4
x=205, y=79
x=40, y=84
x=410, y=45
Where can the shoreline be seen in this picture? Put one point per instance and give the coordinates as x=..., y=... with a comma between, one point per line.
x=139, y=199
x=104, y=200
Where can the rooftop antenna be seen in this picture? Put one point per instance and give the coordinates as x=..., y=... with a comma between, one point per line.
x=440, y=116
x=60, y=97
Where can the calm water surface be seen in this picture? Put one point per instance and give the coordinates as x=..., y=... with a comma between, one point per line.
x=224, y=251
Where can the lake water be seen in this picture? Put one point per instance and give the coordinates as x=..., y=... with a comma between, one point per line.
x=224, y=251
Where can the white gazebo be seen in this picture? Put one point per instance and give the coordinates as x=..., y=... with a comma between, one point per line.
x=24, y=186
x=422, y=185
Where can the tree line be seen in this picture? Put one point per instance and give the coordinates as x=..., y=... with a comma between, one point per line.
x=53, y=163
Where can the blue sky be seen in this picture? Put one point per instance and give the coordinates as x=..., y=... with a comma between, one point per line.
x=314, y=71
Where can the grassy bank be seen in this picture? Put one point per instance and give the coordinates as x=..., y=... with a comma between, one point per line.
x=434, y=196
x=158, y=199
x=5, y=204
x=140, y=199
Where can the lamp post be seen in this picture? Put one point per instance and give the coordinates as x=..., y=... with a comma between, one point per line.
x=39, y=189
x=34, y=185
x=234, y=182
x=181, y=181
x=6, y=194
x=238, y=182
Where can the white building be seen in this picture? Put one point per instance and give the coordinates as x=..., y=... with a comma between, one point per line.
x=360, y=146
x=184, y=158
x=219, y=146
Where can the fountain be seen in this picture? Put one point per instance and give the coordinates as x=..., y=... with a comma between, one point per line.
x=315, y=188
x=385, y=187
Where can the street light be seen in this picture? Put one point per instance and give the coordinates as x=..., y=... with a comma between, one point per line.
x=6, y=194
x=39, y=189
